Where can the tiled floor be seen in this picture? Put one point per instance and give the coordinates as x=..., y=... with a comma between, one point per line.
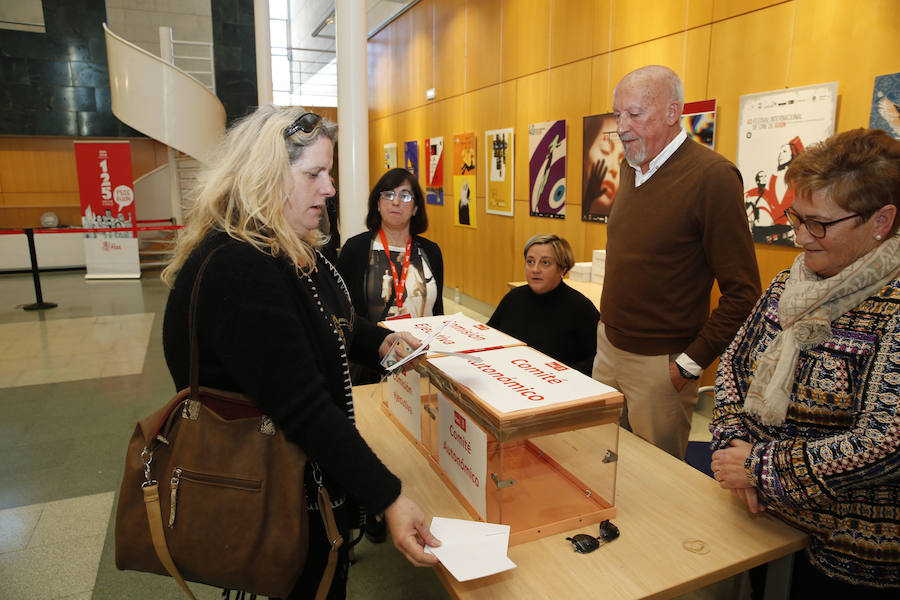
x=73, y=381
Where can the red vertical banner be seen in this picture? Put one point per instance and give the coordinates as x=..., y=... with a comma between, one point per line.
x=106, y=189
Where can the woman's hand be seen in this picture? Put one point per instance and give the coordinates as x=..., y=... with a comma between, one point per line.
x=728, y=469
x=728, y=465
x=411, y=343
x=408, y=531
x=750, y=497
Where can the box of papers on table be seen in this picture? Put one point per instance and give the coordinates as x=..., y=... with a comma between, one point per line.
x=489, y=429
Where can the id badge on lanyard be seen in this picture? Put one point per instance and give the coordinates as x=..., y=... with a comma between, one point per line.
x=399, y=280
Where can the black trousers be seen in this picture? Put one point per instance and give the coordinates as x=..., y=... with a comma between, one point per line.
x=808, y=582
x=317, y=558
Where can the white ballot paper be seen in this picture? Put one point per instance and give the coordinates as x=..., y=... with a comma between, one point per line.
x=471, y=549
x=392, y=361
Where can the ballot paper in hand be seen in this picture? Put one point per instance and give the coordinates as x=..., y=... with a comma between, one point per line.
x=401, y=353
x=471, y=549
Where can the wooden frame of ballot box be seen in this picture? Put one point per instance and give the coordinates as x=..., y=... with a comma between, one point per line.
x=512, y=478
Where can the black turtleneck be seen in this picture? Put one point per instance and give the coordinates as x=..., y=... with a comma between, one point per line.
x=561, y=323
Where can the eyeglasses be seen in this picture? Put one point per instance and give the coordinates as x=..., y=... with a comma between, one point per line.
x=815, y=228
x=307, y=123
x=404, y=196
x=585, y=544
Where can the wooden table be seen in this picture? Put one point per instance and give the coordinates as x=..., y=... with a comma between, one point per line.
x=679, y=530
x=589, y=288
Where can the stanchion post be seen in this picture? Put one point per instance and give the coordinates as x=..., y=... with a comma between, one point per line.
x=40, y=304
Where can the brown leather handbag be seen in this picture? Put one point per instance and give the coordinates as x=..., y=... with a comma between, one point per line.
x=213, y=493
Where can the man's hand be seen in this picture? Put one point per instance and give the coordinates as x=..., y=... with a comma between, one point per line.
x=678, y=381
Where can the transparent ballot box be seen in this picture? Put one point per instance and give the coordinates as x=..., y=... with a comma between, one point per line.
x=519, y=438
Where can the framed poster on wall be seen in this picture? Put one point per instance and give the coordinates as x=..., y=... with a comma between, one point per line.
x=699, y=122
x=411, y=158
x=886, y=104
x=547, y=169
x=434, y=174
x=464, y=168
x=390, y=156
x=773, y=128
x=498, y=148
x=601, y=158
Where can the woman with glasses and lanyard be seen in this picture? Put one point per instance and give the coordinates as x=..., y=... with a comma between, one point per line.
x=391, y=270
x=275, y=322
x=807, y=417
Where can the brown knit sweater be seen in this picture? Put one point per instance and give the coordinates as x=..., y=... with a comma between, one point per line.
x=667, y=241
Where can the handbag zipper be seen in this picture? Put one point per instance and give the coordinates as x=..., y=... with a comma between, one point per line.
x=220, y=480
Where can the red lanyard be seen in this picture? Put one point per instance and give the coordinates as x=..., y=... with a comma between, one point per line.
x=399, y=282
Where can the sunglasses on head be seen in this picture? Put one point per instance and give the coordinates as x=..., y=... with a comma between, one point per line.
x=585, y=544
x=307, y=123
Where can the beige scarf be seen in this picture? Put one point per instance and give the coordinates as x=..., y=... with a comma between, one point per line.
x=807, y=307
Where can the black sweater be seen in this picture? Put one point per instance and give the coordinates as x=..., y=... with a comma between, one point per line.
x=354, y=260
x=561, y=323
x=261, y=332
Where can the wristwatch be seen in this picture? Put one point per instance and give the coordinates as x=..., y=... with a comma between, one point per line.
x=685, y=373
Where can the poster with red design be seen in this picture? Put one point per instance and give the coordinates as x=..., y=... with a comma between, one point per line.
x=602, y=157
x=106, y=190
x=698, y=119
x=434, y=175
x=773, y=129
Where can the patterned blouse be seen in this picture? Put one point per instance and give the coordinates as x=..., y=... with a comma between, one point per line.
x=832, y=468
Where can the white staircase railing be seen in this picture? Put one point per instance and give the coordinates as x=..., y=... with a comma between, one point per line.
x=165, y=103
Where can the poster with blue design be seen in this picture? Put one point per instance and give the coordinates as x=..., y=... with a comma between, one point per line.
x=547, y=169
x=886, y=105
x=699, y=122
x=411, y=158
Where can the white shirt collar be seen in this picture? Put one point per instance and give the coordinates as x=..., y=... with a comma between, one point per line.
x=659, y=159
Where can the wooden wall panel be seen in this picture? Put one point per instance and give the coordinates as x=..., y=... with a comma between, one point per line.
x=402, y=58
x=602, y=30
x=572, y=30
x=37, y=174
x=562, y=59
x=737, y=68
x=725, y=9
x=449, y=48
x=526, y=37
x=482, y=43
x=421, y=65
x=532, y=106
x=639, y=22
x=684, y=53
x=379, y=73
x=873, y=34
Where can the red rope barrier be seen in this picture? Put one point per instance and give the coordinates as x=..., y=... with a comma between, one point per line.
x=94, y=229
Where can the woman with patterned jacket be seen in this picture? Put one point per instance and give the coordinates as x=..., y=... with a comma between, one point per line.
x=807, y=416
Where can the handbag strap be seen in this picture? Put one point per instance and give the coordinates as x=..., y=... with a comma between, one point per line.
x=335, y=539
x=194, y=345
x=151, y=491
x=154, y=516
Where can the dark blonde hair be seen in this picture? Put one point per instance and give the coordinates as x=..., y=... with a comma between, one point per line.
x=562, y=251
x=858, y=169
x=243, y=189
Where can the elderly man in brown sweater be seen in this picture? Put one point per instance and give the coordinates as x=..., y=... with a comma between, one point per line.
x=677, y=224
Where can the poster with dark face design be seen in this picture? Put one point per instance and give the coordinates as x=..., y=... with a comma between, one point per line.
x=601, y=159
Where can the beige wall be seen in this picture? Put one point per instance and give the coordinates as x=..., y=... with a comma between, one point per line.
x=509, y=63
x=138, y=21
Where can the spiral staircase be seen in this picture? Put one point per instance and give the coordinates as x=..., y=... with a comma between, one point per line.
x=167, y=104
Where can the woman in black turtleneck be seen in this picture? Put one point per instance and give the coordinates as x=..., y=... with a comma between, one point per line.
x=547, y=314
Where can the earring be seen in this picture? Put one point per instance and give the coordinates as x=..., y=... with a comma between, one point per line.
x=878, y=237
